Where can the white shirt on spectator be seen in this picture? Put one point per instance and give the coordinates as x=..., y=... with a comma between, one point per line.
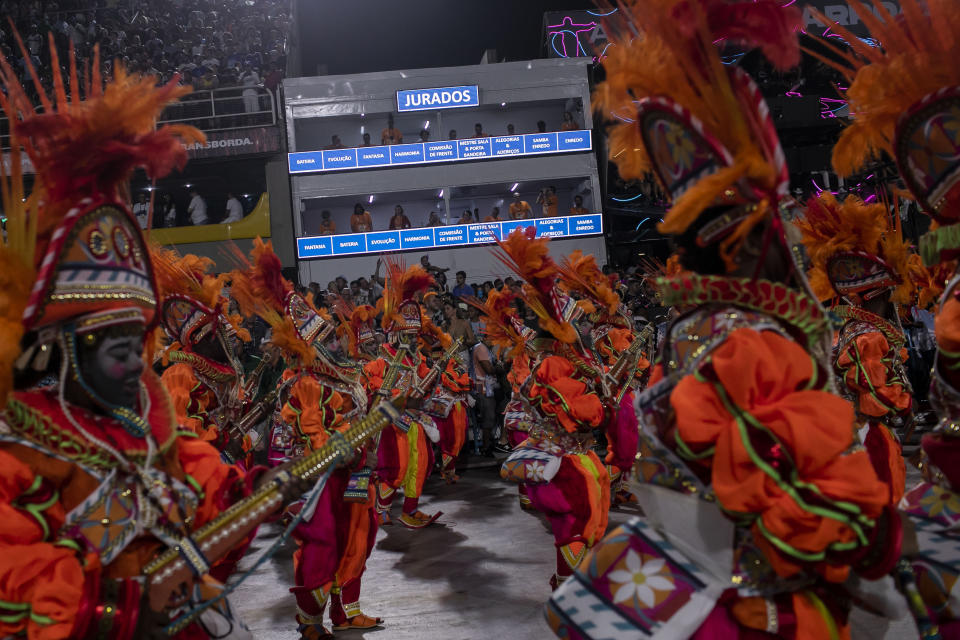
x=170, y=216
x=141, y=211
x=234, y=211
x=197, y=210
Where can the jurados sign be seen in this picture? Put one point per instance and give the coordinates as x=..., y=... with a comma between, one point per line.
x=441, y=98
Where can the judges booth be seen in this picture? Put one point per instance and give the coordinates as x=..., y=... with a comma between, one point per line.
x=435, y=156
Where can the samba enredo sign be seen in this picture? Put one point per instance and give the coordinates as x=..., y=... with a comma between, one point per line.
x=440, y=98
x=446, y=236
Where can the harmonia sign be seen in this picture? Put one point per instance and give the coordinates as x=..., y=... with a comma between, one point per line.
x=441, y=98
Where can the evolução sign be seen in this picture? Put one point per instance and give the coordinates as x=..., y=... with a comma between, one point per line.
x=440, y=98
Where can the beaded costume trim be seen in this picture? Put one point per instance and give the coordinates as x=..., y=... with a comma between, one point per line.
x=771, y=298
x=893, y=335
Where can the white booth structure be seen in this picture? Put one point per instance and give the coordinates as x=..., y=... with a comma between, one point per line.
x=463, y=140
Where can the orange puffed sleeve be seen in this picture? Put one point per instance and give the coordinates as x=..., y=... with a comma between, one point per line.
x=41, y=585
x=219, y=482
x=455, y=380
x=188, y=405
x=777, y=446
x=947, y=330
x=866, y=371
x=374, y=372
x=564, y=397
x=314, y=409
x=519, y=370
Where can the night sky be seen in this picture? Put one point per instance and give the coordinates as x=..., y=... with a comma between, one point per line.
x=357, y=36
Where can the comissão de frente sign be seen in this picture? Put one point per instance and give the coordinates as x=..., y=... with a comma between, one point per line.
x=439, y=98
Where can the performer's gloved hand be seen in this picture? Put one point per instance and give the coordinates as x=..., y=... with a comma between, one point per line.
x=371, y=458
x=234, y=449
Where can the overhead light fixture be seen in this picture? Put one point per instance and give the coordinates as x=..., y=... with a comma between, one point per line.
x=503, y=104
x=440, y=195
x=514, y=187
x=426, y=125
x=370, y=200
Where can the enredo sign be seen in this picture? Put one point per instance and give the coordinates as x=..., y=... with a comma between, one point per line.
x=440, y=98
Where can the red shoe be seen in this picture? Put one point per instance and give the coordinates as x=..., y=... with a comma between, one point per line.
x=418, y=520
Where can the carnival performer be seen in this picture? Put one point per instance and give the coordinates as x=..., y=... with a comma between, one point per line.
x=626, y=365
x=564, y=478
x=97, y=480
x=759, y=500
x=917, y=125
x=405, y=454
x=514, y=341
x=206, y=382
x=858, y=256
x=320, y=395
x=447, y=403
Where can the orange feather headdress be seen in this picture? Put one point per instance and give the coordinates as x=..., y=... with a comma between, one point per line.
x=191, y=297
x=356, y=323
x=580, y=274
x=401, y=310
x=700, y=126
x=501, y=322
x=260, y=288
x=854, y=248
x=529, y=258
x=83, y=149
x=905, y=99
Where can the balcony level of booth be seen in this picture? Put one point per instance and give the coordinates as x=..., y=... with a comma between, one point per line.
x=440, y=141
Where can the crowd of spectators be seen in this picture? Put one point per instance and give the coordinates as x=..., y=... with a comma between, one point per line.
x=211, y=43
x=546, y=205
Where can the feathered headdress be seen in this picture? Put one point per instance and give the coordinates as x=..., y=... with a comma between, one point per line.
x=702, y=127
x=905, y=99
x=528, y=257
x=579, y=273
x=401, y=311
x=501, y=323
x=931, y=283
x=356, y=323
x=854, y=248
x=83, y=149
x=260, y=288
x=192, y=301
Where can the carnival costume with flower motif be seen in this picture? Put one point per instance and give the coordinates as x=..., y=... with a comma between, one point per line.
x=626, y=366
x=759, y=501
x=564, y=478
x=206, y=382
x=319, y=395
x=906, y=95
x=90, y=494
x=857, y=255
x=405, y=454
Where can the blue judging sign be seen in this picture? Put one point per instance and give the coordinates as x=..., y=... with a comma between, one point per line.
x=448, y=236
x=531, y=144
x=440, y=98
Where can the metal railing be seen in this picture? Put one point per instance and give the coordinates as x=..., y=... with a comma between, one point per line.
x=208, y=110
x=224, y=108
